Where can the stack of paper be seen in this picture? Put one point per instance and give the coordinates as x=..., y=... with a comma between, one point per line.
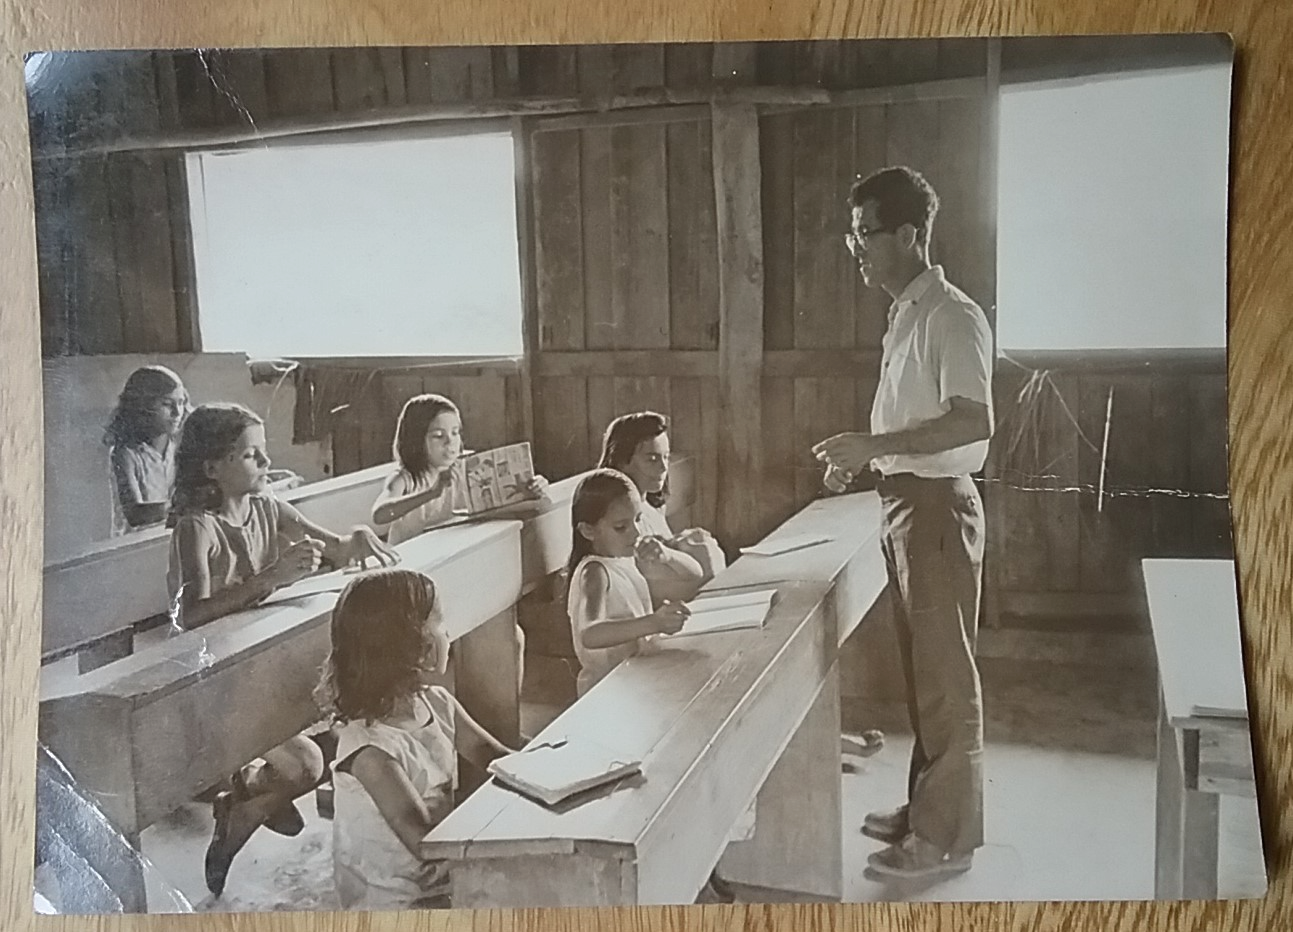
x=770, y=548
x=556, y=770
x=711, y=614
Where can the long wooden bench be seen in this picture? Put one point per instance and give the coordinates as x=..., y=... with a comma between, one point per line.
x=718, y=721
x=148, y=732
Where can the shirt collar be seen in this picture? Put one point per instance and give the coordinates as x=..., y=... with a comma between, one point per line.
x=916, y=289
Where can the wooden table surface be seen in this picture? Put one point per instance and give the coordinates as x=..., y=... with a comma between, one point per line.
x=1261, y=384
x=1195, y=620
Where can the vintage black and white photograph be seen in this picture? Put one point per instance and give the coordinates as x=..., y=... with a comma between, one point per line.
x=544, y=476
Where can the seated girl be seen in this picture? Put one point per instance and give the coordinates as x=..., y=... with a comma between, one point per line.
x=142, y=436
x=398, y=738
x=638, y=445
x=424, y=491
x=609, y=603
x=230, y=550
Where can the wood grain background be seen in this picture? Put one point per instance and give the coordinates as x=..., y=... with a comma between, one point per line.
x=1260, y=383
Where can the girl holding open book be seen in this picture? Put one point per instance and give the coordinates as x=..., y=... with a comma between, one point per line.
x=609, y=602
x=398, y=738
x=426, y=489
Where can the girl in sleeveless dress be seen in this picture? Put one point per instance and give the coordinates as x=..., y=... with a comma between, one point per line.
x=398, y=738
x=609, y=603
x=423, y=492
x=142, y=436
x=233, y=544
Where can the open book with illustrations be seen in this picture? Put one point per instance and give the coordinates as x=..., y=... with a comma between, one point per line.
x=492, y=479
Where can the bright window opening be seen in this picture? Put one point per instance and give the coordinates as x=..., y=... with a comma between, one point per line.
x=1112, y=212
x=392, y=248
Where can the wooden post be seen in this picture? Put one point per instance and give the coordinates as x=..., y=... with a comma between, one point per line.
x=529, y=289
x=1186, y=819
x=735, y=63
x=987, y=223
x=737, y=184
x=1167, y=816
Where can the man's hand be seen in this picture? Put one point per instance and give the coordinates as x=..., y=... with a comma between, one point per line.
x=851, y=452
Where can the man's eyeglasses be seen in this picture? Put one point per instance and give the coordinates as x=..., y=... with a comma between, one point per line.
x=855, y=239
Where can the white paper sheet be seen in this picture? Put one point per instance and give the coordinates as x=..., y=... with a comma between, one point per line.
x=334, y=581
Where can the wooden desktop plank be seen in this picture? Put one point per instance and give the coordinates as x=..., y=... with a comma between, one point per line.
x=853, y=521
x=1193, y=610
x=111, y=585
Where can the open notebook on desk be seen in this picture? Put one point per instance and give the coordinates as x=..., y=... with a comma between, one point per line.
x=712, y=614
x=556, y=770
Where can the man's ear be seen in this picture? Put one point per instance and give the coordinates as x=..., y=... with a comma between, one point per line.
x=908, y=235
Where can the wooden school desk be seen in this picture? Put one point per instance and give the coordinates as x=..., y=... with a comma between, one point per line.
x=718, y=720
x=92, y=600
x=146, y=733
x=1204, y=745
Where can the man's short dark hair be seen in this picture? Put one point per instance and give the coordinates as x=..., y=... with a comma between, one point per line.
x=902, y=195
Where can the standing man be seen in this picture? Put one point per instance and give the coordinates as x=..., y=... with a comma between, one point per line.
x=930, y=424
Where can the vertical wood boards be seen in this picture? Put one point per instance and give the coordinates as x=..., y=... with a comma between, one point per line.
x=740, y=259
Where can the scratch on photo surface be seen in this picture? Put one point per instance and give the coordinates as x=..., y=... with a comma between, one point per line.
x=1104, y=450
x=1090, y=489
x=222, y=88
x=1040, y=412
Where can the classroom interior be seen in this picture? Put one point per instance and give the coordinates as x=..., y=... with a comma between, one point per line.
x=666, y=232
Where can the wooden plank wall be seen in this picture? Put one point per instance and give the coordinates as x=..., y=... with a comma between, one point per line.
x=622, y=286
x=100, y=212
x=1057, y=547
x=116, y=262
x=823, y=327
x=626, y=278
x=628, y=315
